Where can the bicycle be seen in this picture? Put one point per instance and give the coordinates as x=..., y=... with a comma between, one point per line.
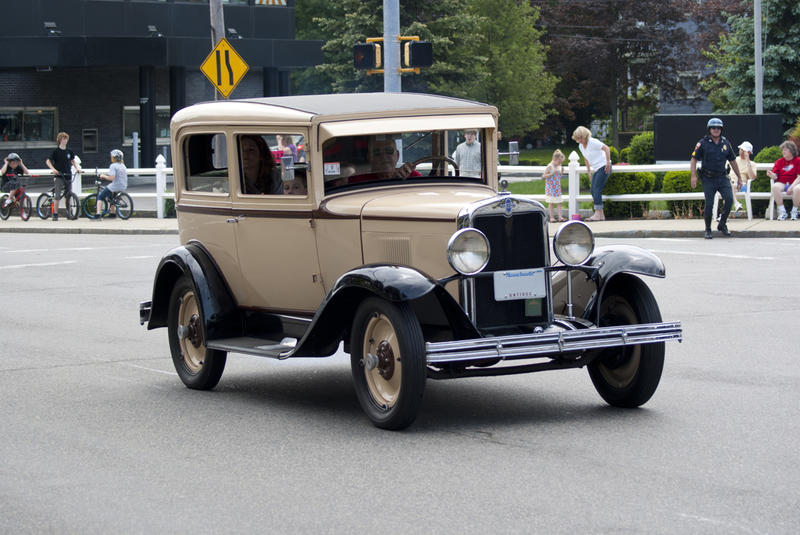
x=45, y=206
x=121, y=200
x=20, y=199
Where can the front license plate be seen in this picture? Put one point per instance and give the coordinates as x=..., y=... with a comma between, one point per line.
x=519, y=284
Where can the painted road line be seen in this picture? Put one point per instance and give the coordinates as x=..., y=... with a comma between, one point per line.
x=43, y=264
x=720, y=255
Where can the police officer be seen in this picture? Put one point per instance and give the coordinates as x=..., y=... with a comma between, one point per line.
x=714, y=151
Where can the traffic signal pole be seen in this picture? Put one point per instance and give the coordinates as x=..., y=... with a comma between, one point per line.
x=391, y=47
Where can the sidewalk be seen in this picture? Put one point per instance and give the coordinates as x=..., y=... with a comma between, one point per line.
x=631, y=228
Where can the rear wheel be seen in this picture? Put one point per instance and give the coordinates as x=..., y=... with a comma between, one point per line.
x=44, y=205
x=25, y=207
x=5, y=211
x=73, y=206
x=198, y=367
x=124, y=206
x=388, y=362
x=628, y=376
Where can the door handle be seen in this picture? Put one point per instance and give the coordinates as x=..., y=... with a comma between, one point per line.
x=235, y=219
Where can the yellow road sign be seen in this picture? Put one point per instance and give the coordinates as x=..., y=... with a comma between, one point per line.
x=224, y=68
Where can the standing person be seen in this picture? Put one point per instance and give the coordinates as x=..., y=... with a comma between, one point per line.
x=747, y=169
x=468, y=155
x=118, y=174
x=598, y=166
x=60, y=163
x=12, y=169
x=552, y=184
x=286, y=147
x=714, y=151
x=784, y=173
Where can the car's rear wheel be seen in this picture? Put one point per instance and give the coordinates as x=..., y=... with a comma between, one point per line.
x=388, y=362
x=628, y=376
x=198, y=367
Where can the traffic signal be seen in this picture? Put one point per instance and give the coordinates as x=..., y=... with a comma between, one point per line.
x=367, y=56
x=417, y=54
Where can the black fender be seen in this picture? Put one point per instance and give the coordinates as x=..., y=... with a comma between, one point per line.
x=221, y=317
x=608, y=262
x=333, y=319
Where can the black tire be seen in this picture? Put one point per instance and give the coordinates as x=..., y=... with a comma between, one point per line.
x=198, y=367
x=5, y=211
x=44, y=205
x=391, y=392
x=25, y=207
x=90, y=206
x=124, y=206
x=73, y=206
x=628, y=376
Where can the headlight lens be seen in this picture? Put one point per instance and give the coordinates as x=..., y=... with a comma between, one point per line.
x=573, y=243
x=468, y=251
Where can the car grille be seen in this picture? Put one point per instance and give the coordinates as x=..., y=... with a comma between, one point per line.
x=518, y=241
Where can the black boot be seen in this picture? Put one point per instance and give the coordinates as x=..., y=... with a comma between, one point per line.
x=722, y=227
x=708, y=234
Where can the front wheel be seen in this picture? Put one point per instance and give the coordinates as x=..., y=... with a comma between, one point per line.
x=388, y=362
x=198, y=367
x=73, y=206
x=44, y=205
x=25, y=207
x=5, y=211
x=628, y=376
x=124, y=205
x=90, y=207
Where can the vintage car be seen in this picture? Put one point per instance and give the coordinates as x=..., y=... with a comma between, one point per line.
x=372, y=236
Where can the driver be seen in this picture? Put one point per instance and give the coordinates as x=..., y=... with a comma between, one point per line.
x=383, y=158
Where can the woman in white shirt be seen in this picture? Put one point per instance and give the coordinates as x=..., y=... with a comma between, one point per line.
x=598, y=167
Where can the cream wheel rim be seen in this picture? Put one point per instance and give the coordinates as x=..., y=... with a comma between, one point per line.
x=192, y=348
x=621, y=376
x=383, y=369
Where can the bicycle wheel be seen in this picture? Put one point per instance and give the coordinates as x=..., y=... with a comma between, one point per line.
x=90, y=206
x=43, y=205
x=124, y=205
x=73, y=206
x=25, y=207
x=5, y=211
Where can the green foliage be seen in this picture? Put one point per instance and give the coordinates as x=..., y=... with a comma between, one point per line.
x=680, y=182
x=625, y=155
x=768, y=154
x=621, y=183
x=730, y=85
x=641, y=149
x=169, y=208
x=614, y=154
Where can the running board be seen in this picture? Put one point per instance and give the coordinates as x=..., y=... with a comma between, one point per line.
x=250, y=345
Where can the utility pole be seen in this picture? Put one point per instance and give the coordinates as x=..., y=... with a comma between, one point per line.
x=759, y=67
x=391, y=47
x=217, y=18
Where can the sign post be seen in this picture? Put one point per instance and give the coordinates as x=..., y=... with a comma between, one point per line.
x=224, y=68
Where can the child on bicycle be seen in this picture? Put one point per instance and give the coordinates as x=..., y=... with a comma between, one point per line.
x=118, y=175
x=61, y=162
x=12, y=169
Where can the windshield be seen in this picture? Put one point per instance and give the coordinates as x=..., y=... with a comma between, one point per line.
x=426, y=155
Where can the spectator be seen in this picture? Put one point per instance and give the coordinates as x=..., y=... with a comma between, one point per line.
x=297, y=186
x=598, y=166
x=552, y=184
x=259, y=174
x=118, y=175
x=60, y=162
x=468, y=155
x=714, y=151
x=785, y=173
x=12, y=169
x=747, y=170
x=286, y=147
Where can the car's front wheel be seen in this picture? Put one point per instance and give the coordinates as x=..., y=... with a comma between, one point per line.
x=198, y=367
x=628, y=376
x=388, y=362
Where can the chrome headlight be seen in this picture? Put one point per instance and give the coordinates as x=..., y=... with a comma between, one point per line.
x=468, y=251
x=573, y=243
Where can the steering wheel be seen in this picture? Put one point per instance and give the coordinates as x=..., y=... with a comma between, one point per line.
x=436, y=158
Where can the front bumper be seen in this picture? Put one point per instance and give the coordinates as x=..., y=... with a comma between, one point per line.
x=550, y=344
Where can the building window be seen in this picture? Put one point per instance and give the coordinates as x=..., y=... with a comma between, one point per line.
x=28, y=124
x=130, y=124
x=90, y=140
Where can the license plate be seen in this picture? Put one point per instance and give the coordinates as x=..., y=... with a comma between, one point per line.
x=519, y=284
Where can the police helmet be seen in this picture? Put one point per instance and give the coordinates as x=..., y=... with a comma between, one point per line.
x=714, y=122
x=13, y=156
x=117, y=155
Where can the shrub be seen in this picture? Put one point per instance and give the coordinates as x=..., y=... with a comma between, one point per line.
x=641, y=152
x=768, y=154
x=680, y=182
x=169, y=208
x=614, y=154
x=621, y=183
x=625, y=154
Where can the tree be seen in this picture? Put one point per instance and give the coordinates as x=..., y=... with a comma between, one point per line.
x=731, y=85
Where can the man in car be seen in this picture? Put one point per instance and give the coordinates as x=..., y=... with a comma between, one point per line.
x=383, y=156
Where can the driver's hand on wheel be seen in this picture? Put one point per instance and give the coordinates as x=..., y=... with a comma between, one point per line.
x=404, y=170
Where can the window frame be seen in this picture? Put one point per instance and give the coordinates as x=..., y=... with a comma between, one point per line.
x=160, y=141
x=30, y=144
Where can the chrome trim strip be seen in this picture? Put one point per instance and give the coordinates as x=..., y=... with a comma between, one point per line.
x=551, y=344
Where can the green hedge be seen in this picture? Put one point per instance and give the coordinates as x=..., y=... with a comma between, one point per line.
x=619, y=184
x=680, y=182
x=614, y=154
x=641, y=152
x=625, y=154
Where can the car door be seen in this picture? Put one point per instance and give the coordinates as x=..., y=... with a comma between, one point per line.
x=275, y=234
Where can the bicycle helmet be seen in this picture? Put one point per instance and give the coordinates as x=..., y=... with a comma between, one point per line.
x=117, y=155
x=13, y=156
x=714, y=122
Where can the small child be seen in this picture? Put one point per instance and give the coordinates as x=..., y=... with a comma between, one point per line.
x=552, y=184
x=298, y=185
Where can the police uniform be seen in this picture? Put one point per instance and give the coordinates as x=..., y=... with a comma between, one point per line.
x=713, y=158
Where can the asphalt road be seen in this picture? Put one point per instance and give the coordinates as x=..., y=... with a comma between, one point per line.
x=99, y=435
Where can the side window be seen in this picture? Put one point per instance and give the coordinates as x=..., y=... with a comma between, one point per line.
x=272, y=164
x=206, y=163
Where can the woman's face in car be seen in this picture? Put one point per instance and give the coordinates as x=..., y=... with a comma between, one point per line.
x=251, y=158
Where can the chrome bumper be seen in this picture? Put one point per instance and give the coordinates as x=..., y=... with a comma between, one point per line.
x=552, y=343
